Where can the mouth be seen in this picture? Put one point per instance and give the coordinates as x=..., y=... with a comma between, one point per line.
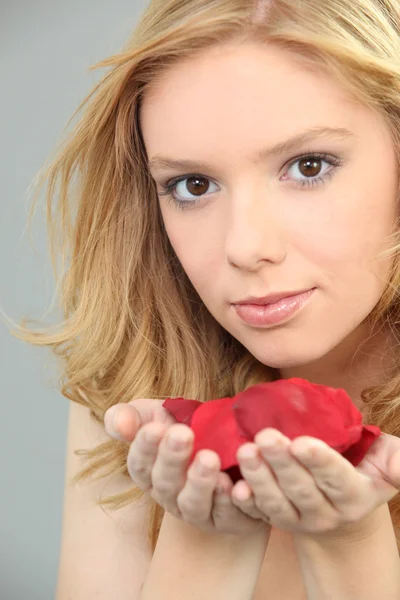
x=271, y=298
x=272, y=309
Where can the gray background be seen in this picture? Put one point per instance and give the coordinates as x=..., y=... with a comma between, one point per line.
x=46, y=47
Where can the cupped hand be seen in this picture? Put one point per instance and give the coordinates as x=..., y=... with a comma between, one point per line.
x=159, y=463
x=305, y=486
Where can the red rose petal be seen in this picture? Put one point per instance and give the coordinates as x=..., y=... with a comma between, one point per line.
x=294, y=406
x=182, y=409
x=356, y=453
x=216, y=428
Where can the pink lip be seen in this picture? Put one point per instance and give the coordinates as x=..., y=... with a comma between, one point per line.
x=271, y=298
x=271, y=312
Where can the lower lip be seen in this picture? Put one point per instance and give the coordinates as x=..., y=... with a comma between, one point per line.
x=270, y=314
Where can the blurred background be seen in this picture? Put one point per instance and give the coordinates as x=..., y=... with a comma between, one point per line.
x=46, y=47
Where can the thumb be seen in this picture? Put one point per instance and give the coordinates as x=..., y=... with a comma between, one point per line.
x=394, y=469
x=122, y=421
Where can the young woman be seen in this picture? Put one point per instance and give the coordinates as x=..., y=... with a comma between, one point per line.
x=236, y=153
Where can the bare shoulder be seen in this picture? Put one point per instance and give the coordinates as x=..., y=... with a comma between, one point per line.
x=104, y=553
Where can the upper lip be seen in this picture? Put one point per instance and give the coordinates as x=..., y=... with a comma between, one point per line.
x=271, y=298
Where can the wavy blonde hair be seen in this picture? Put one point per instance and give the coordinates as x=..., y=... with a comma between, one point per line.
x=133, y=325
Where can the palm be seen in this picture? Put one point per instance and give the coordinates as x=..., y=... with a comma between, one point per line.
x=382, y=465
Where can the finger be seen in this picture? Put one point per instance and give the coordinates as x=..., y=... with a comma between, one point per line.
x=269, y=498
x=152, y=410
x=123, y=420
x=334, y=475
x=243, y=498
x=195, y=499
x=169, y=470
x=394, y=471
x=224, y=485
x=382, y=464
x=225, y=511
x=294, y=479
x=143, y=453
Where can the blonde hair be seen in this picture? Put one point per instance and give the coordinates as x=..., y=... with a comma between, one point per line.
x=134, y=326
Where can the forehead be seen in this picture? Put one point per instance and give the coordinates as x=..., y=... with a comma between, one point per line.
x=250, y=70
x=241, y=95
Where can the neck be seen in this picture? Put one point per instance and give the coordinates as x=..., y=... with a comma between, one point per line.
x=365, y=358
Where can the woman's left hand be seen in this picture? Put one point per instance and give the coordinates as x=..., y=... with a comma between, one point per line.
x=304, y=486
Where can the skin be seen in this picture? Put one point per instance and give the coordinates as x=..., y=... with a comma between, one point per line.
x=257, y=230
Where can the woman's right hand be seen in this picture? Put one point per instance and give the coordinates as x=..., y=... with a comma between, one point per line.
x=198, y=493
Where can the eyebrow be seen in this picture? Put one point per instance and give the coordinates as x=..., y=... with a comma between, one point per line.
x=159, y=162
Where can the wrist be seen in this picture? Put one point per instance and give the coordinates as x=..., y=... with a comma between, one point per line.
x=204, y=564
x=356, y=562
x=248, y=547
x=349, y=534
x=257, y=535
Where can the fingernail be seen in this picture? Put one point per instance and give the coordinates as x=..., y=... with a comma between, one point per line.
x=205, y=465
x=269, y=442
x=177, y=443
x=152, y=436
x=110, y=418
x=241, y=491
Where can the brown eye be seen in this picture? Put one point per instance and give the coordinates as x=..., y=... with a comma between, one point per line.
x=310, y=167
x=308, y=170
x=197, y=185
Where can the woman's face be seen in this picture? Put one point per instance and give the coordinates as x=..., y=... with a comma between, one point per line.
x=264, y=213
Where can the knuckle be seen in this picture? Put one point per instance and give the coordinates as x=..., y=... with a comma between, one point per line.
x=302, y=493
x=140, y=443
x=164, y=488
x=180, y=429
x=137, y=468
x=141, y=474
x=176, y=432
x=224, y=509
x=195, y=480
x=138, y=454
x=171, y=457
x=191, y=515
x=191, y=509
x=185, y=503
x=168, y=460
x=275, y=509
x=332, y=484
x=141, y=480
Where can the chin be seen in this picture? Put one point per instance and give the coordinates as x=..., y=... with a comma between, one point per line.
x=284, y=362
x=280, y=358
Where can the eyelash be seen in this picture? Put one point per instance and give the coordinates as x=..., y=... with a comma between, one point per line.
x=169, y=187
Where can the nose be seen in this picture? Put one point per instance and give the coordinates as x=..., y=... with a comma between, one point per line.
x=254, y=233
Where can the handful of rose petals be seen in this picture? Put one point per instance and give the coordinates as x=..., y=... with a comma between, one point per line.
x=294, y=406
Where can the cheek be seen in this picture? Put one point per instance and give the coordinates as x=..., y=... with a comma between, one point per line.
x=197, y=249
x=350, y=237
